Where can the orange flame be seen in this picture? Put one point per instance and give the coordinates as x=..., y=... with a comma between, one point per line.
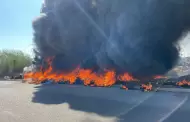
x=183, y=83
x=159, y=77
x=125, y=77
x=87, y=76
x=147, y=87
x=108, y=78
x=124, y=87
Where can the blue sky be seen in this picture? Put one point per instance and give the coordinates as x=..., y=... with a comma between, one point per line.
x=15, y=23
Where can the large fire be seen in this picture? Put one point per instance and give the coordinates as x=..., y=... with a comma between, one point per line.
x=87, y=76
x=108, y=78
x=183, y=83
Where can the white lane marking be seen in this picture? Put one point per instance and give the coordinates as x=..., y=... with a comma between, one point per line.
x=9, y=113
x=174, y=110
x=6, y=82
x=133, y=107
x=136, y=105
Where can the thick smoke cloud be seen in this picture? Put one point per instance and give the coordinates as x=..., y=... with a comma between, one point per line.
x=135, y=36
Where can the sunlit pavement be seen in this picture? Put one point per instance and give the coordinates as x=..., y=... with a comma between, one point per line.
x=75, y=103
x=2, y=83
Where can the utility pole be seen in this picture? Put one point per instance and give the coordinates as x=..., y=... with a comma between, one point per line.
x=14, y=64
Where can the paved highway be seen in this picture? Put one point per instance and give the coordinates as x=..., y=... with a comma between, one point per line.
x=71, y=103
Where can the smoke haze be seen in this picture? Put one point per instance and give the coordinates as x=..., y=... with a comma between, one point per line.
x=136, y=36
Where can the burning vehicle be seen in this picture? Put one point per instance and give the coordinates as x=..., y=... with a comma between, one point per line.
x=103, y=42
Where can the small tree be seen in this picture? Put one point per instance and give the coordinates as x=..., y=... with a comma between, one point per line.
x=12, y=61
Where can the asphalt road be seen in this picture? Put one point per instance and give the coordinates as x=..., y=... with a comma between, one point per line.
x=71, y=103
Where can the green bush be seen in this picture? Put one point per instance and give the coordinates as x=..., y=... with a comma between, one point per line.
x=13, y=61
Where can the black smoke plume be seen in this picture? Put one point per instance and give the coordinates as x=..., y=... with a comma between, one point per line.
x=136, y=36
